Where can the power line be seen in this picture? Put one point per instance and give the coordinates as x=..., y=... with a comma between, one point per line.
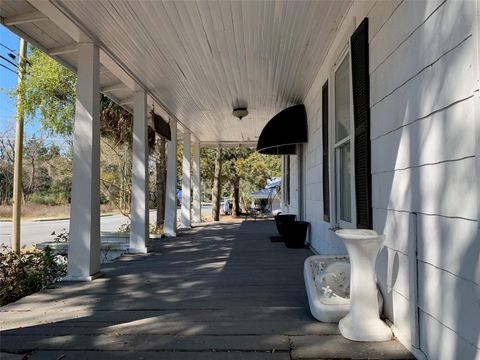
x=9, y=49
x=9, y=69
x=10, y=62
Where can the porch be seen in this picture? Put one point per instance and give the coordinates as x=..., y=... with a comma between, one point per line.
x=222, y=291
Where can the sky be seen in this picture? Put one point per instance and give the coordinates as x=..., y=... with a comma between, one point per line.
x=8, y=82
x=8, y=79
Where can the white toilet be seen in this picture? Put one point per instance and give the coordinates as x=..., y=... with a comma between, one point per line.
x=363, y=323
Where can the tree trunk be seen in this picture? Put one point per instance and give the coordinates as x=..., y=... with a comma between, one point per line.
x=123, y=178
x=236, y=196
x=217, y=185
x=161, y=166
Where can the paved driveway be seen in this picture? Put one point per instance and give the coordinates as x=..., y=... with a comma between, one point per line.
x=214, y=292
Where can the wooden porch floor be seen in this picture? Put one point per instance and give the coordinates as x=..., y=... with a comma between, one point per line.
x=222, y=291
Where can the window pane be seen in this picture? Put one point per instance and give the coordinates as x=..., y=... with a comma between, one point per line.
x=342, y=100
x=345, y=183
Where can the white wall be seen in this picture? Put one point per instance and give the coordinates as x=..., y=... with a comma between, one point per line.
x=293, y=207
x=424, y=132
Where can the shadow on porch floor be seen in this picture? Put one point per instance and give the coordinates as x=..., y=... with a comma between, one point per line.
x=222, y=291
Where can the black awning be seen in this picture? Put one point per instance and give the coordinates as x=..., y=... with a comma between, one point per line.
x=284, y=131
x=161, y=126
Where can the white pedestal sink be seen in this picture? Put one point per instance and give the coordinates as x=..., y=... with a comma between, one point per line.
x=362, y=322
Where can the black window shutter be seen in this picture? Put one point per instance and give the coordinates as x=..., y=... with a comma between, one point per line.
x=361, y=114
x=326, y=185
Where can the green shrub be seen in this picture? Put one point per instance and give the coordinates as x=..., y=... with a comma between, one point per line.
x=28, y=272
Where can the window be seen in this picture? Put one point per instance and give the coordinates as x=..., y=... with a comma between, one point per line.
x=346, y=149
x=342, y=144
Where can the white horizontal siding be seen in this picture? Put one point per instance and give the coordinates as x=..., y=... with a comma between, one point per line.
x=379, y=15
x=396, y=273
x=398, y=225
x=447, y=189
x=453, y=301
x=450, y=244
x=392, y=276
x=443, y=136
x=439, y=342
x=449, y=80
x=437, y=36
x=404, y=21
x=424, y=183
x=423, y=83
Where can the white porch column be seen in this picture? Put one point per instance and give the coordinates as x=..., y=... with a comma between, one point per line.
x=84, y=240
x=186, y=214
x=170, y=225
x=197, y=204
x=139, y=230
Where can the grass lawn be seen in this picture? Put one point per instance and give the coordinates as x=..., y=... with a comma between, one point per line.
x=37, y=211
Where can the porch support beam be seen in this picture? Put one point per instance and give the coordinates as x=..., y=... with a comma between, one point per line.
x=186, y=213
x=139, y=230
x=84, y=240
x=68, y=49
x=170, y=226
x=127, y=101
x=197, y=205
x=113, y=87
x=24, y=18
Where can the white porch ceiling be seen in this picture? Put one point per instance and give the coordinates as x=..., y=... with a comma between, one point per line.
x=200, y=59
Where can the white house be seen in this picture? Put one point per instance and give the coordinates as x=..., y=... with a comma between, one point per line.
x=424, y=141
x=270, y=194
x=391, y=93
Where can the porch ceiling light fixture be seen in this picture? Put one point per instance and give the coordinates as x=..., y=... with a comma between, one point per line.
x=284, y=131
x=240, y=112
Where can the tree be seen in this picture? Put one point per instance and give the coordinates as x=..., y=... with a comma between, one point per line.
x=50, y=91
x=217, y=185
x=46, y=169
x=255, y=170
x=243, y=171
x=161, y=179
x=207, y=170
x=232, y=176
x=7, y=155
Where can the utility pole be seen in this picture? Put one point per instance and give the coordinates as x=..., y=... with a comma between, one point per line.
x=17, y=175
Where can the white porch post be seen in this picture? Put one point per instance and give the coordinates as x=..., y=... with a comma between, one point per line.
x=84, y=240
x=139, y=230
x=186, y=214
x=170, y=225
x=197, y=204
